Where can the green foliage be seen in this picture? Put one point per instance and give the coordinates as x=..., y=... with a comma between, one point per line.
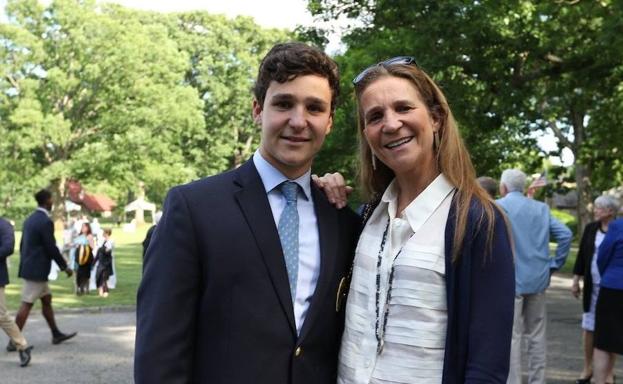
x=510, y=70
x=113, y=97
x=104, y=99
x=224, y=57
x=567, y=219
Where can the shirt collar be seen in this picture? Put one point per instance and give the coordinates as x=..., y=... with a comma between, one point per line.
x=272, y=177
x=423, y=206
x=47, y=213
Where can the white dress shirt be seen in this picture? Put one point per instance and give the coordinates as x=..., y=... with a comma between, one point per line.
x=309, y=240
x=414, y=340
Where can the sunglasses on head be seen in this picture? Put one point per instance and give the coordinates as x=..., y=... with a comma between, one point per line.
x=401, y=60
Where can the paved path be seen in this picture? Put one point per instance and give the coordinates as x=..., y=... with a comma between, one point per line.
x=103, y=350
x=564, y=334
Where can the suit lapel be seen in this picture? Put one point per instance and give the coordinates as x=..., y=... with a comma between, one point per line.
x=328, y=234
x=254, y=204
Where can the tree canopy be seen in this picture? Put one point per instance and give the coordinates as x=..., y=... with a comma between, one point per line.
x=510, y=70
x=112, y=96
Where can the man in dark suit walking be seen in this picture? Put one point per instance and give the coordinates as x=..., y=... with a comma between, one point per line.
x=242, y=276
x=7, y=245
x=37, y=250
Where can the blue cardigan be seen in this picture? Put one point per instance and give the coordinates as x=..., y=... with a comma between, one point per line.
x=480, y=294
x=610, y=257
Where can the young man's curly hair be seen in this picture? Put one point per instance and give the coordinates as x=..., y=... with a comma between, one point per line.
x=286, y=61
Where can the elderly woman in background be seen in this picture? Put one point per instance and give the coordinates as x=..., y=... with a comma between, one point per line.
x=432, y=291
x=608, y=339
x=605, y=209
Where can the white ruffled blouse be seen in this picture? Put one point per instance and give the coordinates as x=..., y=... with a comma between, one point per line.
x=414, y=337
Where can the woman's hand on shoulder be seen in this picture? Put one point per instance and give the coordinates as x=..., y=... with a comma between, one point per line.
x=335, y=188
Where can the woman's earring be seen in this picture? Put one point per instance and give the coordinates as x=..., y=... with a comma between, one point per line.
x=436, y=140
x=373, y=161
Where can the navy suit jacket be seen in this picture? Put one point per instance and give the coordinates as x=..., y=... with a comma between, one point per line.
x=38, y=248
x=214, y=304
x=7, y=244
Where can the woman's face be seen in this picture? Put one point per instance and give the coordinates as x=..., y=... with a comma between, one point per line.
x=602, y=213
x=84, y=229
x=398, y=126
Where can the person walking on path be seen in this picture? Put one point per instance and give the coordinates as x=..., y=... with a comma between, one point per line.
x=532, y=226
x=7, y=245
x=37, y=250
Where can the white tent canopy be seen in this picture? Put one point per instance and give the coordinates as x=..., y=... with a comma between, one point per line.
x=140, y=204
x=71, y=206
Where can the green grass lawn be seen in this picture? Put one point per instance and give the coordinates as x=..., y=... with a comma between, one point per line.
x=128, y=263
x=568, y=267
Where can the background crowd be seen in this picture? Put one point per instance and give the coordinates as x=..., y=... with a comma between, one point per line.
x=90, y=251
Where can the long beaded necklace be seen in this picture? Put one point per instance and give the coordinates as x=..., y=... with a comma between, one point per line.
x=379, y=331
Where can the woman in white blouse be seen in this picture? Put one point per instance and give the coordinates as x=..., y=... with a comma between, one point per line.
x=431, y=296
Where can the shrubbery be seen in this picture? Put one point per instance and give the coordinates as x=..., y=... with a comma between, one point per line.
x=567, y=219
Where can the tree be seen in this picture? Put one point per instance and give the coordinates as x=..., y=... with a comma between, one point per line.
x=94, y=94
x=509, y=69
x=112, y=96
x=224, y=58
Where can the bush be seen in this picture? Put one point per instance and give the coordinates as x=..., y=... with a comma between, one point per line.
x=567, y=219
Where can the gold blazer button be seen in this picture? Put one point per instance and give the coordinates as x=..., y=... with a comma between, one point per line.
x=298, y=352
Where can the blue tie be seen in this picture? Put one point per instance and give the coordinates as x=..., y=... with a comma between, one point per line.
x=289, y=233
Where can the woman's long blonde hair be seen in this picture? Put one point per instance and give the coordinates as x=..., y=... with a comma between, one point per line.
x=453, y=159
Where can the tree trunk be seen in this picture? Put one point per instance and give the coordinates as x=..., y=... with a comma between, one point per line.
x=58, y=198
x=6, y=204
x=242, y=153
x=583, y=185
x=582, y=172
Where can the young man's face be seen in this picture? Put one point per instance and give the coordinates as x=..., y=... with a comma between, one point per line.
x=295, y=118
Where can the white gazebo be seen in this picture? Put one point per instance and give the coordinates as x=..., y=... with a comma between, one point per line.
x=139, y=206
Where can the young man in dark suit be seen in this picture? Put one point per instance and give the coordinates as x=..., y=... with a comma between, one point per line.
x=242, y=276
x=37, y=250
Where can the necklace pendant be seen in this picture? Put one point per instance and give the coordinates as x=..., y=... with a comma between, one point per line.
x=380, y=346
